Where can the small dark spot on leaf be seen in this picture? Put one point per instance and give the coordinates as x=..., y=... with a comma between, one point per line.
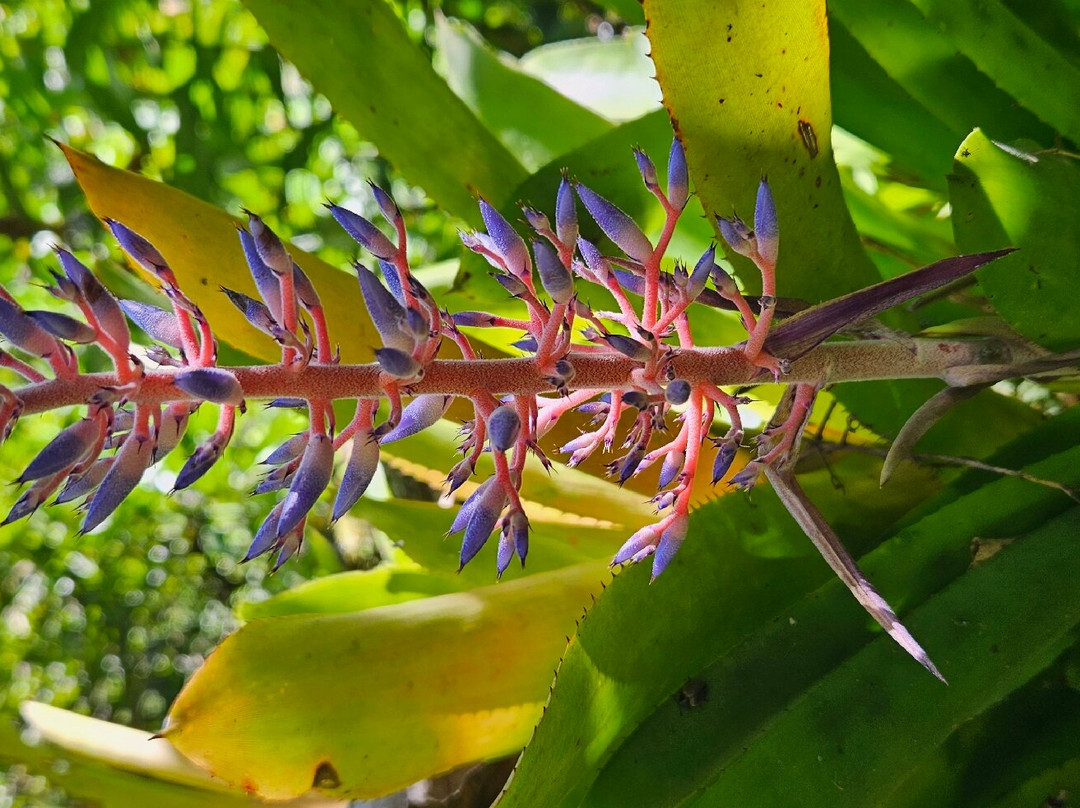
x=722, y=100
x=966, y=153
x=326, y=776
x=994, y=648
x=817, y=181
x=759, y=75
x=204, y=281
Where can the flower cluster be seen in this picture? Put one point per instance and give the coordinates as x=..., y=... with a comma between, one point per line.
x=638, y=359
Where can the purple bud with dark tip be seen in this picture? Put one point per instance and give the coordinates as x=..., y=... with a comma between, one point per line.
x=747, y=478
x=641, y=540
x=32, y=498
x=393, y=281
x=66, y=449
x=461, y=472
x=210, y=384
x=265, y=280
x=417, y=322
x=566, y=223
x=201, y=461
x=519, y=532
x=288, y=403
x=256, y=313
x=678, y=179
x=159, y=324
x=505, y=551
x=646, y=169
x=398, y=364
x=696, y=282
x=669, y=470
x=766, y=224
x=725, y=456
x=289, y=450
x=305, y=289
x=631, y=462
x=632, y=283
x=270, y=248
x=636, y=398
x=63, y=327
x=275, y=480
x=476, y=319
x=266, y=536
x=360, y=471
x=418, y=415
x=123, y=475
x=677, y=392
x=142, y=251
x=670, y=542
x=465, y=512
x=511, y=284
x=594, y=259
x=85, y=483
x=508, y=244
x=65, y=289
x=629, y=347
x=364, y=232
x=618, y=227
x=290, y=545
x=485, y=513
x=310, y=481
x=738, y=236
x=23, y=332
x=536, y=219
x=526, y=344
x=555, y=278
x=725, y=284
x=504, y=426
x=387, y=206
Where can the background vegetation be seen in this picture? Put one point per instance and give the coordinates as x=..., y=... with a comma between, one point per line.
x=265, y=105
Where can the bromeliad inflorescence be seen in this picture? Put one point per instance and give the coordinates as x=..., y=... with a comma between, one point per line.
x=636, y=363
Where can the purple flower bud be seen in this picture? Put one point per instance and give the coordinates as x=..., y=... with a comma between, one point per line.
x=265, y=280
x=305, y=290
x=201, y=461
x=418, y=415
x=418, y=323
x=461, y=472
x=504, y=426
x=270, y=248
x=594, y=408
x=32, y=498
x=475, y=319
x=289, y=450
x=85, y=483
x=210, y=384
x=636, y=399
x=632, y=283
x=519, y=532
x=646, y=168
x=122, y=477
x=387, y=206
x=397, y=363
x=678, y=180
x=641, y=540
x=696, y=282
x=679, y=275
x=594, y=259
x=266, y=536
x=747, y=478
x=630, y=462
x=677, y=392
x=670, y=542
x=738, y=236
x=173, y=423
x=310, y=481
x=725, y=284
x=566, y=223
x=485, y=513
x=508, y=244
x=275, y=480
x=386, y=312
x=290, y=545
x=506, y=550
x=360, y=471
x=669, y=470
x=766, y=224
x=725, y=455
x=24, y=332
x=159, y=324
x=465, y=512
x=364, y=232
x=65, y=289
x=527, y=344
x=511, y=284
x=288, y=403
x=142, y=251
x=553, y=275
x=618, y=227
x=63, y=327
x=66, y=449
x=537, y=220
x=629, y=347
x=256, y=313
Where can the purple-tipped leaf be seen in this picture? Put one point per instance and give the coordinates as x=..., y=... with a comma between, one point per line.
x=806, y=330
x=305, y=289
x=474, y=319
x=616, y=225
x=638, y=543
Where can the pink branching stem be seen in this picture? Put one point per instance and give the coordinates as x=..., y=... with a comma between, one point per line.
x=652, y=268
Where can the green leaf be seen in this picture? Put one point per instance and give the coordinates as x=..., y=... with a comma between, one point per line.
x=765, y=643
x=1006, y=198
x=1013, y=56
x=358, y=54
x=926, y=63
x=378, y=699
x=200, y=243
x=746, y=88
x=534, y=121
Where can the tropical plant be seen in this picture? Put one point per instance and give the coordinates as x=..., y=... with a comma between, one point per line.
x=741, y=657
